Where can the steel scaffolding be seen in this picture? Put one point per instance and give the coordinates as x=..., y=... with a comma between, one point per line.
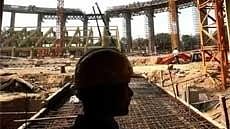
x=212, y=35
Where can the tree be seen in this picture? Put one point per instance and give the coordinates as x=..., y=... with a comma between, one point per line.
x=140, y=44
x=163, y=42
x=190, y=42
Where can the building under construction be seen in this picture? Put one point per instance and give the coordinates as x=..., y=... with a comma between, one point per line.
x=186, y=90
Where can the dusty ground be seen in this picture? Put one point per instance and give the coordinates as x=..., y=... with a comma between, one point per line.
x=45, y=73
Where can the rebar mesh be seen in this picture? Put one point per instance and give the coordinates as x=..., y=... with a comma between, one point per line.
x=151, y=108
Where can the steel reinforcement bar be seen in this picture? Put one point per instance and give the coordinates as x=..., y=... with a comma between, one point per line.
x=151, y=108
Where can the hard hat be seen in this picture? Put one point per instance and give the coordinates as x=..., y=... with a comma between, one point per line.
x=102, y=66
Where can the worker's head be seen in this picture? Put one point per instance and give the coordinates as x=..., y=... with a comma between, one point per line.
x=102, y=78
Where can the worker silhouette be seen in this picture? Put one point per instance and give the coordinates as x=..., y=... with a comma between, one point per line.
x=176, y=55
x=102, y=78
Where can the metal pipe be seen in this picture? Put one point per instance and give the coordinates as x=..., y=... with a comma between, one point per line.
x=99, y=31
x=106, y=25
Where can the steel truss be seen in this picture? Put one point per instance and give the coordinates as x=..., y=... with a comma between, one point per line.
x=212, y=36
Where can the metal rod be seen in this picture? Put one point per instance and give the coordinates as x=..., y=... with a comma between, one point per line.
x=99, y=31
x=106, y=27
x=225, y=111
x=46, y=118
x=16, y=113
x=178, y=82
x=170, y=74
x=177, y=90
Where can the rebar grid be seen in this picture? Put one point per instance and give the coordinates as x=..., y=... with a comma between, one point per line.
x=150, y=108
x=68, y=109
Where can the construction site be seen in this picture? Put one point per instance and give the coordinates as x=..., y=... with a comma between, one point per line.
x=181, y=84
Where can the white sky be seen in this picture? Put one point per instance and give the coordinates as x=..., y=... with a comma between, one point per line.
x=138, y=22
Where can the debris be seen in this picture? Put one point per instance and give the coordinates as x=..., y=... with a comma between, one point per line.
x=38, y=63
x=74, y=99
x=12, y=84
x=63, y=69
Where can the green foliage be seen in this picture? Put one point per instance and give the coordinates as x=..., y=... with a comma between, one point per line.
x=190, y=42
x=163, y=42
x=140, y=44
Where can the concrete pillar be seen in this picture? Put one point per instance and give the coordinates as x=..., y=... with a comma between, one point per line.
x=12, y=20
x=85, y=30
x=151, y=35
x=39, y=22
x=227, y=5
x=173, y=24
x=107, y=19
x=1, y=13
x=178, y=30
x=128, y=31
x=106, y=34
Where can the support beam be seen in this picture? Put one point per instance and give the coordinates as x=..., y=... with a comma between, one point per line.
x=206, y=9
x=151, y=33
x=107, y=20
x=85, y=30
x=39, y=22
x=203, y=20
x=173, y=24
x=12, y=20
x=227, y=5
x=105, y=36
x=128, y=31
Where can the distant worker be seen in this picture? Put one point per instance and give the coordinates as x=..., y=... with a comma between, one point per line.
x=102, y=78
x=176, y=55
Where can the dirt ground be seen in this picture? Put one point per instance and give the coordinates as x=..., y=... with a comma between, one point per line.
x=45, y=74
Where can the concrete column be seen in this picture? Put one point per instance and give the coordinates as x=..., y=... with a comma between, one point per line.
x=178, y=30
x=151, y=35
x=106, y=39
x=1, y=13
x=227, y=5
x=12, y=20
x=39, y=22
x=173, y=24
x=85, y=30
x=128, y=31
x=107, y=19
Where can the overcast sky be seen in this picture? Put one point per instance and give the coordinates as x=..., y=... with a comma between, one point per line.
x=138, y=22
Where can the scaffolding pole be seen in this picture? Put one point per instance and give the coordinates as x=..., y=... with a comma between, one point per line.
x=213, y=44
